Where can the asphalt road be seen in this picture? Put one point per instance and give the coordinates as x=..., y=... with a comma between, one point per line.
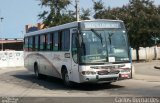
x=21, y=83
x=147, y=68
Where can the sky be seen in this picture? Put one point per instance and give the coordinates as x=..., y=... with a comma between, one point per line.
x=18, y=13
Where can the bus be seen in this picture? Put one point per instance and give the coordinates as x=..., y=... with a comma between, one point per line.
x=89, y=51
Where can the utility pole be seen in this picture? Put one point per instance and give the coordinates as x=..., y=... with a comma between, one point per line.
x=77, y=9
x=1, y=35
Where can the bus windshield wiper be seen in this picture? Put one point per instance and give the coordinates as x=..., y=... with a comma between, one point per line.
x=97, y=34
x=110, y=37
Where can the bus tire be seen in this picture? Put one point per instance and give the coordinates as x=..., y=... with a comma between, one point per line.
x=65, y=78
x=36, y=71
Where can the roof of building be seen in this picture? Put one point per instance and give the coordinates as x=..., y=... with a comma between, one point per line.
x=11, y=40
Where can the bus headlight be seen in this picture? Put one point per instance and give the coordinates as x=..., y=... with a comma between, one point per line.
x=88, y=73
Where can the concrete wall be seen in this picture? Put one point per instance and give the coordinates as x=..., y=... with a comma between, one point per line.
x=148, y=53
x=16, y=58
x=11, y=58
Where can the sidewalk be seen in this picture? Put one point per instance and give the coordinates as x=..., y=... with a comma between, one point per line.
x=8, y=69
x=147, y=71
x=147, y=78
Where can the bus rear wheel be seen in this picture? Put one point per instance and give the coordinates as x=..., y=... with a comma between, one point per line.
x=66, y=80
x=37, y=74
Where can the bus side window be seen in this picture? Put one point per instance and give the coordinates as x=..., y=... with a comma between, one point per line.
x=33, y=43
x=36, y=43
x=30, y=44
x=74, y=47
x=65, y=40
x=26, y=44
x=42, y=42
x=48, y=42
x=55, y=41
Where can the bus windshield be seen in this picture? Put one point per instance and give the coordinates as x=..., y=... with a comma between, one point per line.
x=101, y=46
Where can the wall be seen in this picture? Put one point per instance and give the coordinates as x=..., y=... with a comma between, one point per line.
x=148, y=53
x=15, y=58
x=11, y=58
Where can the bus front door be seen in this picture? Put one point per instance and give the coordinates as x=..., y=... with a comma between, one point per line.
x=74, y=49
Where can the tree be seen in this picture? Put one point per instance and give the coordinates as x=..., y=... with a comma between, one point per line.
x=141, y=17
x=85, y=14
x=58, y=13
x=98, y=9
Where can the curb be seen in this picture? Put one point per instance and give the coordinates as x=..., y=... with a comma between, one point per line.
x=4, y=69
x=147, y=78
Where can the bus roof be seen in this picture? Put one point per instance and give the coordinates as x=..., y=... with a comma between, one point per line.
x=65, y=26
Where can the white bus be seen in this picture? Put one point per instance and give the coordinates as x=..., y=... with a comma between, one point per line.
x=92, y=51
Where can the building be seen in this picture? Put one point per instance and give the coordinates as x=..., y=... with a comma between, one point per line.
x=31, y=28
x=7, y=44
x=16, y=44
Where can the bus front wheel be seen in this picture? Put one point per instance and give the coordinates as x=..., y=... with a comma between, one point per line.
x=37, y=74
x=66, y=80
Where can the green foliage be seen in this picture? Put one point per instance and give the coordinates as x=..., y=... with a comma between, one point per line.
x=98, y=8
x=141, y=17
x=59, y=13
x=142, y=20
x=85, y=14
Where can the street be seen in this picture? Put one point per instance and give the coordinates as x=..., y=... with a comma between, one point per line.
x=18, y=82
x=110, y=48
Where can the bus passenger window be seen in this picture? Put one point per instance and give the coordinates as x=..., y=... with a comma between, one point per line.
x=65, y=41
x=26, y=44
x=36, y=43
x=48, y=42
x=55, y=41
x=30, y=44
x=42, y=42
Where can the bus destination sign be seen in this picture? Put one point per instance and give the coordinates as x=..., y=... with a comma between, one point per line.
x=104, y=24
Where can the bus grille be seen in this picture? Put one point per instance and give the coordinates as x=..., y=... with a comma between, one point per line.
x=104, y=72
x=108, y=79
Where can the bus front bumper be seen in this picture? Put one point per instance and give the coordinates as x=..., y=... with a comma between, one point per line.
x=105, y=78
x=99, y=78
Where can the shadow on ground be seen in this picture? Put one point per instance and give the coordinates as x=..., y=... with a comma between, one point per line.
x=27, y=80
